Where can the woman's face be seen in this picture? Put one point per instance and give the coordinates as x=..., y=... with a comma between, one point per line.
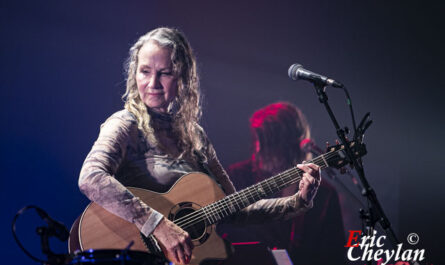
x=157, y=85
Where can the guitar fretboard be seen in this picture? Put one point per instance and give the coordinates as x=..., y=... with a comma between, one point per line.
x=235, y=202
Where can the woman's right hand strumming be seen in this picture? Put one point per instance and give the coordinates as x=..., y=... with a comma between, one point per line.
x=174, y=240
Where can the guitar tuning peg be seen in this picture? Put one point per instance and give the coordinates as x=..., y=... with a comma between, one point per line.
x=327, y=144
x=337, y=142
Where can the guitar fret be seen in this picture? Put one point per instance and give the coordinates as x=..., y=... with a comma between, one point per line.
x=275, y=185
x=215, y=210
x=280, y=181
x=234, y=199
x=205, y=214
x=225, y=207
x=215, y=213
x=230, y=207
x=261, y=192
x=245, y=201
x=212, y=219
x=237, y=197
x=212, y=215
x=324, y=160
x=252, y=193
x=248, y=195
x=255, y=192
x=266, y=183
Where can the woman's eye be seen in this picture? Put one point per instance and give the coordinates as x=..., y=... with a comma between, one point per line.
x=144, y=71
x=166, y=73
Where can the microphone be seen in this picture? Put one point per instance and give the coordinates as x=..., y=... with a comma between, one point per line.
x=296, y=71
x=56, y=228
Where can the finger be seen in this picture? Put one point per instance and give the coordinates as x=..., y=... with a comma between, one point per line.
x=314, y=179
x=314, y=166
x=304, y=180
x=304, y=184
x=175, y=254
x=190, y=243
x=309, y=178
x=316, y=169
x=301, y=185
x=187, y=249
x=305, y=168
x=180, y=253
x=187, y=259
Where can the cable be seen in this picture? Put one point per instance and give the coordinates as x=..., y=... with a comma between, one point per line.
x=20, y=212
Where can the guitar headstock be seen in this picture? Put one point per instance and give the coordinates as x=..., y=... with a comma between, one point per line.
x=336, y=155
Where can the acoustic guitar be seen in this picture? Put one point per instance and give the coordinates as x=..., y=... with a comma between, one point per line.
x=196, y=203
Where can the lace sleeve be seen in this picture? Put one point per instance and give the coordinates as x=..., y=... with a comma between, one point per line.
x=97, y=180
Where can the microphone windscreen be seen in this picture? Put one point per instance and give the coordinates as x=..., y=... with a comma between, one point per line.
x=292, y=72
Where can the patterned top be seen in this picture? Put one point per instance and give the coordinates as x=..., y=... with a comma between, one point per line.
x=122, y=156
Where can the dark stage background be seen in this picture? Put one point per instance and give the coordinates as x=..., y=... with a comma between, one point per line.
x=62, y=76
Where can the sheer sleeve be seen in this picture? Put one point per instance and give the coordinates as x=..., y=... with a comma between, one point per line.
x=97, y=179
x=262, y=211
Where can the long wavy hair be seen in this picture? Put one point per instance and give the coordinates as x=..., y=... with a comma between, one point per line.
x=185, y=109
x=277, y=131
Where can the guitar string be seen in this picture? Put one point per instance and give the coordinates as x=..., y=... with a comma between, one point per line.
x=250, y=192
x=212, y=207
x=200, y=218
x=213, y=217
x=235, y=196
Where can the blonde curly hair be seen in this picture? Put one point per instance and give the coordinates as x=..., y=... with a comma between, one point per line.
x=185, y=108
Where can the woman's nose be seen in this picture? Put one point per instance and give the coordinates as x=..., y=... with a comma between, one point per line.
x=154, y=82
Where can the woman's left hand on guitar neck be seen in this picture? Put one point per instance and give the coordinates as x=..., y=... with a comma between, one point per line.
x=309, y=183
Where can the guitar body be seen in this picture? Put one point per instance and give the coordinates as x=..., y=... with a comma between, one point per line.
x=99, y=229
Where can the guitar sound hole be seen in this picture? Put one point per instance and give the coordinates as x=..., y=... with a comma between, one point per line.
x=195, y=229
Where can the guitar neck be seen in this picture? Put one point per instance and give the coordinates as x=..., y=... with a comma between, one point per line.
x=237, y=201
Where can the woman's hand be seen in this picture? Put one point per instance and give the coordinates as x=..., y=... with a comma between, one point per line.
x=309, y=182
x=175, y=241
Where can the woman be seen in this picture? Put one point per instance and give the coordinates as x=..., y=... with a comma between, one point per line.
x=156, y=139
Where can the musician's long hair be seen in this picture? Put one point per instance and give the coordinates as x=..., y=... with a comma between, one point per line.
x=277, y=131
x=185, y=109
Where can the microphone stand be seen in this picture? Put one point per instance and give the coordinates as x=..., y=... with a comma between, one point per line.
x=53, y=259
x=375, y=212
